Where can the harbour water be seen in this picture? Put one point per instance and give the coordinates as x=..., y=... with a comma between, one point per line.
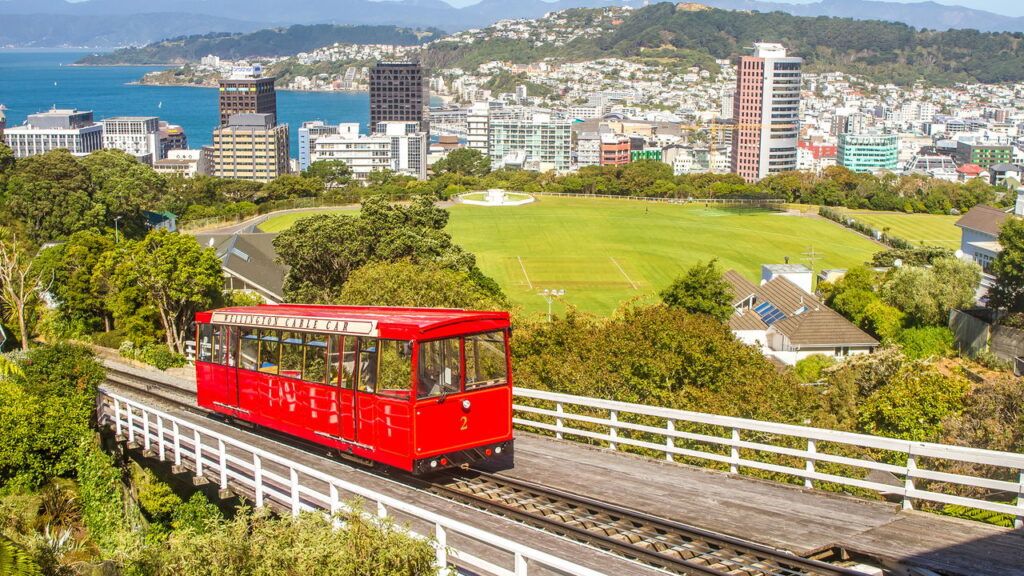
x=33, y=82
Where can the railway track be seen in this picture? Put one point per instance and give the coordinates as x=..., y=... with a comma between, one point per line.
x=668, y=545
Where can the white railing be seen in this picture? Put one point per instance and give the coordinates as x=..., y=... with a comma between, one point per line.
x=238, y=466
x=737, y=441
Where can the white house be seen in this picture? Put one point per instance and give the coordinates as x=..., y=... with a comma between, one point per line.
x=789, y=323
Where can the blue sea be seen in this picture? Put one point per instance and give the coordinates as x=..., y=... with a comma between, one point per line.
x=32, y=82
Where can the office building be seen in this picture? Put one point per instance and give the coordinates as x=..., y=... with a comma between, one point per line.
x=397, y=146
x=71, y=129
x=250, y=147
x=399, y=93
x=246, y=91
x=868, y=152
x=615, y=149
x=477, y=130
x=982, y=152
x=3, y=123
x=767, y=111
x=172, y=137
x=545, y=144
x=136, y=135
x=185, y=163
x=311, y=131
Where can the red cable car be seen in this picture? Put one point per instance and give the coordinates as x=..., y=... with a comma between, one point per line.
x=418, y=389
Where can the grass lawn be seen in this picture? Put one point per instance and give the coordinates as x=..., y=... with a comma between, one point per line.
x=603, y=252
x=929, y=229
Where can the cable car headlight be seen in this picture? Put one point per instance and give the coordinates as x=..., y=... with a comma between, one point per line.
x=466, y=404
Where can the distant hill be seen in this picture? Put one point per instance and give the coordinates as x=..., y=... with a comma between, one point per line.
x=879, y=51
x=262, y=43
x=137, y=22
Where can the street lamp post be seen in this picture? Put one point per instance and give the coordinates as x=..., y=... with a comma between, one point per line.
x=117, y=236
x=550, y=296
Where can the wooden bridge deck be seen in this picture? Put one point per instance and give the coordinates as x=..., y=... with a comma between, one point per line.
x=800, y=520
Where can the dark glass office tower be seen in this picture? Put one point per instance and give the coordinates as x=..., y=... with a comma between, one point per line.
x=398, y=93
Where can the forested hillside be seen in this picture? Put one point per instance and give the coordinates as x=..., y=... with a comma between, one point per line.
x=267, y=43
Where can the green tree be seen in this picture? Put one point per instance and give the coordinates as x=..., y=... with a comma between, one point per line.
x=426, y=285
x=810, y=368
x=168, y=271
x=1008, y=267
x=122, y=188
x=71, y=268
x=464, y=162
x=322, y=251
x=332, y=173
x=926, y=342
x=52, y=195
x=701, y=289
x=913, y=404
x=927, y=295
x=287, y=186
x=6, y=161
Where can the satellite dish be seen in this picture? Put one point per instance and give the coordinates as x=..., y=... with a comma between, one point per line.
x=959, y=254
x=897, y=262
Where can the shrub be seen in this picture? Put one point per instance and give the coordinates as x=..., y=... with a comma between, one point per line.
x=809, y=369
x=926, y=342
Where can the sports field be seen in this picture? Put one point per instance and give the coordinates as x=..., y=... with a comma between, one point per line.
x=603, y=252
x=927, y=229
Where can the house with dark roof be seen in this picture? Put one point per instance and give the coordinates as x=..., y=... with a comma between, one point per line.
x=247, y=260
x=789, y=323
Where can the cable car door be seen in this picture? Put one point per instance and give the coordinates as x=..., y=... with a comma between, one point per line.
x=366, y=388
x=225, y=347
x=348, y=359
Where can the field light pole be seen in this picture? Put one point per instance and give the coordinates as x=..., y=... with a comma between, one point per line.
x=550, y=296
x=117, y=236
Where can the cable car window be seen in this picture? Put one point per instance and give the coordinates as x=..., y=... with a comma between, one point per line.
x=348, y=363
x=248, y=348
x=485, y=360
x=205, y=343
x=394, y=374
x=219, y=344
x=270, y=351
x=439, y=368
x=333, y=359
x=316, y=358
x=292, y=352
x=367, y=364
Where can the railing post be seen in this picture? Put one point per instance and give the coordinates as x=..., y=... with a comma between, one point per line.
x=117, y=416
x=257, y=480
x=520, y=568
x=1018, y=522
x=734, y=452
x=908, y=482
x=199, y=453
x=812, y=448
x=335, y=503
x=559, y=424
x=670, y=441
x=145, y=430
x=160, y=437
x=613, y=415
x=223, y=464
x=131, y=424
x=441, y=548
x=177, y=443
x=295, y=490
x=382, y=510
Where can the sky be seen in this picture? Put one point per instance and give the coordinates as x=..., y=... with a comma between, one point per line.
x=1006, y=7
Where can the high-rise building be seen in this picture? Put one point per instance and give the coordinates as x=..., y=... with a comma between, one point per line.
x=311, y=131
x=398, y=93
x=868, y=152
x=615, y=149
x=250, y=147
x=71, y=129
x=984, y=153
x=3, y=123
x=136, y=135
x=172, y=137
x=246, y=91
x=544, y=144
x=767, y=111
x=477, y=120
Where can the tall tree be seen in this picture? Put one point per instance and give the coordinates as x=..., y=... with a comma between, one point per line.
x=71, y=266
x=1008, y=267
x=701, y=289
x=172, y=273
x=122, y=188
x=52, y=195
x=465, y=162
x=427, y=285
x=332, y=173
x=20, y=280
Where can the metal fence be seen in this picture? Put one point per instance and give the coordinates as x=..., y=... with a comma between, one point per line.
x=795, y=451
x=274, y=479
